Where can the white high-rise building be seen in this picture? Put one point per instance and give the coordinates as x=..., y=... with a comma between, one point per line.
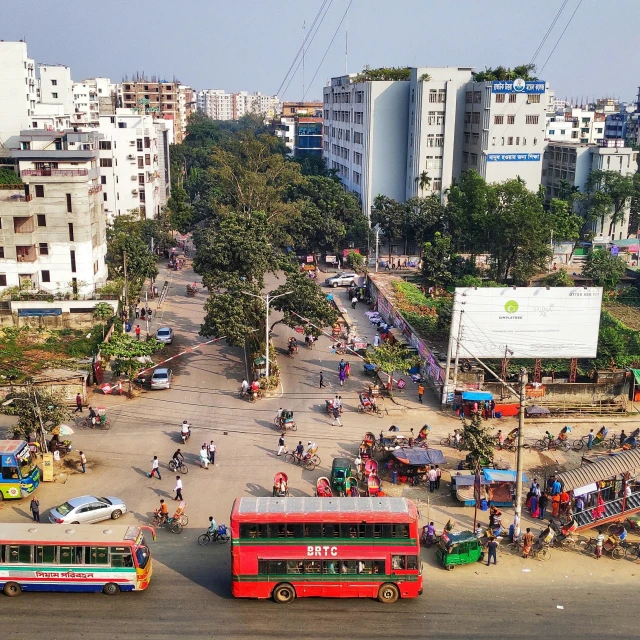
x=436, y=106
x=576, y=125
x=55, y=87
x=53, y=235
x=219, y=105
x=365, y=127
x=18, y=85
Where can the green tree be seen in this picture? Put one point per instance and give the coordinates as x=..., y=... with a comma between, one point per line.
x=524, y=71
x=565, y=224
x=389, y=215
x=125, y=348
x=607, y=194
x=605, y=269
x=9, y=176
x=103, y=311
x=423, y=181
x=437, y=259
x=559, y=278
x=390, y=358
x=384, y=73
x=422, y=217
x=356, y=261
x=634, y=208
x=52, y=407
x=478, y=439
x=181, y=213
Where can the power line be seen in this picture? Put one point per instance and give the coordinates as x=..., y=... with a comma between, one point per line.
x=344, y=15
x=548, y=33
x=560, y=38
x=302, y=46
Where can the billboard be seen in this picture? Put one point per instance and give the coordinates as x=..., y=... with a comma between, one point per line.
x=526, y=322
x=519, y=86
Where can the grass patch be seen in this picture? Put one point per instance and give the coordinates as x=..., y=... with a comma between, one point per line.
x=430, y=317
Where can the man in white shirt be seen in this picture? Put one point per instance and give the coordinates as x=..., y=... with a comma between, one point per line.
x=178, y=489
x=155, y=468
x=433, y=477
x=212, y=453
x=310, y=445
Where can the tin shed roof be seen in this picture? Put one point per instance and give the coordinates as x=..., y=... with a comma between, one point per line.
x=605, y=468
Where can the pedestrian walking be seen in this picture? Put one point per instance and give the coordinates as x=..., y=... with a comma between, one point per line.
x=354, y=301
x=336, y=417
x=527, y=543
x=492, y=408
x=438, y=476
x=178, y=489
x=590, y=438
x=623, y=437
x=78, y=403
x=35, y=509
x=143, y=314
x=83, y=462
x=500, y=438
x=542, y=505
x=343, y=376
x=155, y=468
x=599, y=544
x=492, y=551
x=155, y=290
x=376, y=340
x=420, y=392
x=282, y=447
x=212, y=452
x=149, y=313
x=137, y=312
x=138, y=331
x=204, y=456
x=433, y=476
x=322, y=385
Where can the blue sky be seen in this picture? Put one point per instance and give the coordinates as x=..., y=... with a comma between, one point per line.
x=250, y=44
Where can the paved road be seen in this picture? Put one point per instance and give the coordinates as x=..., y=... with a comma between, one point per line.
x=189, y=595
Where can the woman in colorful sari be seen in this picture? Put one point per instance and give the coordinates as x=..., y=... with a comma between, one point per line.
x=527, y=542
x=598, y=511
x=555, y=505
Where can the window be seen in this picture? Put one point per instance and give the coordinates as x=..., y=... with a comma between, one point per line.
x=468, y=97
x=54, y=95
x=498, y=119
x=477, y=97
x=104, y=197
x=517, y=140
x=535, y=141
x=121, y=125
x=140, y=162
x=533, y=99
x=3, y=278
x=147, y=143
x=511, y=119
x=18, y=553
x=358, y=117
x=512, y=98
x=71, y=232
x=474, y=159
x=147, y=159
x=510, y=140
x=532, y=119
x=103, y=180
x=72, y=254
x=45, y=276
x=141, y=178
x=467, y=118
x=121, y=556
x=105, y=145
x=54, y=83
x=437, y=184
x=42, y=220
x=43, y=248
x=39, y=191
x=551, y=132
x=139, y=144
x=475, y=118
x=34, y=125
x=106, y=162
x=499, y=97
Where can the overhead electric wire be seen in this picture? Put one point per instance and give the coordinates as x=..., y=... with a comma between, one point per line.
x=293, y=75
x=301, y=49
x=548, y=33
x=560, y=38
x=344, y=15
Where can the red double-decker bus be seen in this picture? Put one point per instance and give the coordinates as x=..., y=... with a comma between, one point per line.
x=329, y=547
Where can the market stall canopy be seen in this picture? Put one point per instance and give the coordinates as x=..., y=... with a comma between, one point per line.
x=535, y=410
x=603, y=469
x=477, y=396
x=501, y=475
x=467, y=479
x=636, y=375
x=418, y=457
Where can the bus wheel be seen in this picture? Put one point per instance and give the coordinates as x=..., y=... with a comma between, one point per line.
x=388, y=593
x=12, y=589
x=111, y=589
x=284, y=593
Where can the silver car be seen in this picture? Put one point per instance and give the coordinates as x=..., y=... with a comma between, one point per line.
x=161, y=379
x=346, y=279
x=87, y=509
x=164, y=335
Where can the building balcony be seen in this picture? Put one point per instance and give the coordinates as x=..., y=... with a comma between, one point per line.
x=26, y=254
x=61, y=173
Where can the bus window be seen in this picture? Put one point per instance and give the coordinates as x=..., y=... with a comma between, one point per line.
x=412, y=562
x=330, y=566
x=378, y=566
x=97, y=555
x=312, y=566
x=295, y=530
x=387, y=530
x=121, y=557
x=349, y=531
x=365, y=566
x=71, y=555
x=19, y=553
x=331, y=531
x=142, y=557
x=313, y=530
x=398, y=562
x=45, y=554
x=10, y=473
x=347, y=566
x=294, y=566
x=400, y=531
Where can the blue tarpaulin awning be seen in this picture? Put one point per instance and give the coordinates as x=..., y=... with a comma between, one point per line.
x=477, y=396
x=418, y=457
x=501, y=475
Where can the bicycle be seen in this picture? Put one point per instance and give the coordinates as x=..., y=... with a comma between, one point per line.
x=174, y=525
x=308, y=463
x=220, y=535
x=551, y=445
x=102, y=422
x=178, y=466
x=538, y=551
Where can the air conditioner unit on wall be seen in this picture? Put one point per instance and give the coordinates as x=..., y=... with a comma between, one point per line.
x=134, y=192
x=134, y=177
x=131, y=157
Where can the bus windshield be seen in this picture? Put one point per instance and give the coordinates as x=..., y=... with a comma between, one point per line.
x=142, y=557
x=26, y=460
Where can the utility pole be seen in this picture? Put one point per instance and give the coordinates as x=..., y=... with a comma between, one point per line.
x=455, y=367
x=551, y=258
x=42, y=436
x=126, y=287
x=516, y=520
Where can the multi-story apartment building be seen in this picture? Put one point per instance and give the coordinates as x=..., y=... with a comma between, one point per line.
x=18, y=89
x=53, y=232
x=436, y=106
x=573, y=162
x=92, y=98
x=575, y=125
x=186, y=106
x=300, y=127
x=504, y=130
x=55, y=87
x=216, y=103
x=219, y=105
x=130, y=151
x=306, y=109
x=365, y=136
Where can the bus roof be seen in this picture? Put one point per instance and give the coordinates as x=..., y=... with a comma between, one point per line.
x=67, y=534
x=8, y=447
x=339, y=509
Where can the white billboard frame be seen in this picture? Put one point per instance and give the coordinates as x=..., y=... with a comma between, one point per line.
x=525, y=322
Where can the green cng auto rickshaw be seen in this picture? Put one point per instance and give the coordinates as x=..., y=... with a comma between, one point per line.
x=459, y=548
x=340, y=471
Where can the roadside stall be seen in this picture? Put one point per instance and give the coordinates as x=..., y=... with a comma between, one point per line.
x=470, y=401
x=497, y=487
x=411, y=465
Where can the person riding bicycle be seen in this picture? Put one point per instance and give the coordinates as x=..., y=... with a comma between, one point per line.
x=213, y=527
x=299, y=449
x=163, y=511
x=178, y=458
x=93, y=416
x=548, y=436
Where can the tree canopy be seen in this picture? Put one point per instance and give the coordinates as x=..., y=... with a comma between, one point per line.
x=524, y=71
x=52, y=407
x=605, y=269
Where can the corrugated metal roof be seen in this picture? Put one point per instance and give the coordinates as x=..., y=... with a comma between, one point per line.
x=322, y=505
x=603, y=469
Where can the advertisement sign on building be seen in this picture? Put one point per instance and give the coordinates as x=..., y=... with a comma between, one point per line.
x=513, y=157
x=526, y=322
x=518, y=86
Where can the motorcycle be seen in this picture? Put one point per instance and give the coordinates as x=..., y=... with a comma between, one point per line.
x=185, y=436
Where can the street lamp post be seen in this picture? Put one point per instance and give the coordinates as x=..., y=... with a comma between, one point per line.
x=377, y=230
x=267, y=299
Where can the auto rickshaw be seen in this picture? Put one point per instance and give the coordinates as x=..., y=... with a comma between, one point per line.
x=340, y=471
x=459, y=548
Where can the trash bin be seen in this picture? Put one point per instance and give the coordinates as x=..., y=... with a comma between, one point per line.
x=127, y=326
x=394, y=477
x=484, y=505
